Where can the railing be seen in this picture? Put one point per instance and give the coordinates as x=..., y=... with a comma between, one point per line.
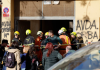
x=75, y=59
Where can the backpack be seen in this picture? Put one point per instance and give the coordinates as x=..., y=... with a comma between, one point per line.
x=10, y=60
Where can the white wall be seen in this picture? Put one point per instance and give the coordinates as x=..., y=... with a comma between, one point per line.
x=8, y=22
x=90, y=30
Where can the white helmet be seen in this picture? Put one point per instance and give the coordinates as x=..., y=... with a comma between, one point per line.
x=39, y=32
x=60, y=32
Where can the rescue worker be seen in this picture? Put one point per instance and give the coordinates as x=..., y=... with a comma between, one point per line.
x=65, y=39
x=46, y=34
x=64, y=31
x=43, y=42
x=55, y=40
x=74, y=41
x=29, y=40
x=80, y=39
x=38, y=45
x=17, y=38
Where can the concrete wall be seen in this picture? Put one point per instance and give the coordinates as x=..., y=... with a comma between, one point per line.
x=34, y=26
x=31, y=8
x=87, y=10
x=8, y=22
x=22, y=27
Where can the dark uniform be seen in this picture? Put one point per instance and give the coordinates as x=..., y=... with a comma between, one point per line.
x=17, y=40
x=74, y=45
x=2, y=51
x=54, y=40
x=81, y=41
x=29, y=40
x=43, y=43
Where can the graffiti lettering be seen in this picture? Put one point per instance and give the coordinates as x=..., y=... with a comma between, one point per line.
x=84, y=25
x=89, y=34
x=5, y=35
x=6, y=24
x=87, y=29
x=6, y=28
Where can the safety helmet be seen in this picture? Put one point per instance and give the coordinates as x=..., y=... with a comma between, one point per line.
x=64, y=29
x=16, y=33
x=74, y=33
x=39, y=32
x=28, y=31
x=60, y=32
x=47, y=33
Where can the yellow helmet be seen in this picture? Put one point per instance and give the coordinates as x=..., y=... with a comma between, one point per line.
x=28, y=31
x=47, y=33
x=74, y=33
x=16, y=33
x=39, y=32
x=64, y=29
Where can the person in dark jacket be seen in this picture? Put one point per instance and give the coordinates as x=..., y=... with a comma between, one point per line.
x=74, y=41
x=55, y=40
x=43, y=42
x=16, y=38
x=4, y=57
x=29, y=40
x=2, y=51
x=68, y=51
x=80, y=39
x=31, y=60
x=50, y=56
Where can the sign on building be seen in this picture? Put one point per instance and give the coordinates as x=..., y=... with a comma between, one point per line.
x=5, y=12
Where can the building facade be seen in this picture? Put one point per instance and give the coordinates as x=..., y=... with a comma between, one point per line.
x=79, y=16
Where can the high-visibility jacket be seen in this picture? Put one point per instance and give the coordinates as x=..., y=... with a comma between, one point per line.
x=65, y=39
x=38, y=50
x=29, y=40
x=38, y=41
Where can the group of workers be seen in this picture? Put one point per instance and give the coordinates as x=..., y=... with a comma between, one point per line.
x=60, y=43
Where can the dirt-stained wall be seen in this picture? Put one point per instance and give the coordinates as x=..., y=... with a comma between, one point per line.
x=35, y=8
x=87, y=13
x=7, y=22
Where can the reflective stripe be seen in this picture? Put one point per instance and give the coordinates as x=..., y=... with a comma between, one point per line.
x=67, y=39
x=42, y=47
x=12, y=40
x=20, y=45
x=29, y=44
